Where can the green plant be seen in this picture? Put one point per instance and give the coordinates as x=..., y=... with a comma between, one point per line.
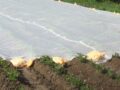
x=82, y=58
x=106, y=71
x=3, y=63
x=85, y=87
x=11, y=73
x=60, y=70
x=112, y=74
x=100, y=0
x=108, y=5
x=55, y=67
x=77, y=82
x=21, y=87
x=98, y=67
x=116, y=1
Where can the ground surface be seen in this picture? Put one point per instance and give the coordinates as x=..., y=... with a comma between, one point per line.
x=41, y=77
x=114, y=64
x=38, y=77
x=90, y=76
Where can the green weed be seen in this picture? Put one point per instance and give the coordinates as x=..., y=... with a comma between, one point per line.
x=21, y=87
x=76, y=82
x=107, y=5
x=59, y=69
x=106, y=71
x=82, y=58
x=11, y=73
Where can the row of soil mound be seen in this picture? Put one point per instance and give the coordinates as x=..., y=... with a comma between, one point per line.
x=77, y=74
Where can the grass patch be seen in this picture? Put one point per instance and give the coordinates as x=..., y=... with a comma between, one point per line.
x=107, y=5
x=11, y=73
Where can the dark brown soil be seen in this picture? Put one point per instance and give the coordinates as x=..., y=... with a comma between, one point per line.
x=114, y=64
x=95, y=79
x=38, y=77
x=42, y=77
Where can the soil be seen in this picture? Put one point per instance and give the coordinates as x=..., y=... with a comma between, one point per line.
x=114, y=64
x=88, y=74
x=5, y=83
x=38, y=77
x=41, y=77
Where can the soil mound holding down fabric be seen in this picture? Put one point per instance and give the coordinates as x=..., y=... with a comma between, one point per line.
x=42, y=76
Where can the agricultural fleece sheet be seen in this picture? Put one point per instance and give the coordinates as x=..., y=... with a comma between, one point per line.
x=31, y=28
